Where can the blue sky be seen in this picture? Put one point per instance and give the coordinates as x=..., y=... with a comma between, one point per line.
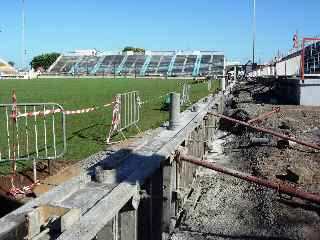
x=226, y=25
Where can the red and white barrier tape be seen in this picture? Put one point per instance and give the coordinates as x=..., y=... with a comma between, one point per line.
x=67, y=112
x=116, y=118
x=14, y=191
x=79, y=111
x=13, y=188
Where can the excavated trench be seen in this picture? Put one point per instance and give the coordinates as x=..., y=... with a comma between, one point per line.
x=230, y=208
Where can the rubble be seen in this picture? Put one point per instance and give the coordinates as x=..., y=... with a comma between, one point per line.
x=230, y=208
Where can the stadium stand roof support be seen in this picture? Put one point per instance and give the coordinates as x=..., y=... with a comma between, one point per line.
x=145, y=65
x=171, y=65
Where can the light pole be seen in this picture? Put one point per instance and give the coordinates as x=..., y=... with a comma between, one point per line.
x=254, y=33
x=23, y=36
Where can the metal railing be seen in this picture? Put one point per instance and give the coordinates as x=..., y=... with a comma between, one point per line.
x=126, y=113
x=129, y=109
x=185, y=93
x=31, y=134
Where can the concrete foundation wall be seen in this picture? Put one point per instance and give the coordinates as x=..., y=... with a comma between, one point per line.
x=290, y=67
x=150, y=194
x=310, y=90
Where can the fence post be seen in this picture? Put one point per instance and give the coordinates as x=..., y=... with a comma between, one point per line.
x=174, y=110
x=50, y=167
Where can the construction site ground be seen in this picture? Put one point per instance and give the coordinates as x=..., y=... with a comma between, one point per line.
x=224, y=207
x=61, y=172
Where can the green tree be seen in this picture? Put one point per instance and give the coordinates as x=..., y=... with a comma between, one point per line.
x=133, y=49
x=139, y=50
x=44, y=60
x=127, y=49
x=11, y=63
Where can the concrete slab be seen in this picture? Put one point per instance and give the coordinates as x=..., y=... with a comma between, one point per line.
x=137, y=168
x=310, y=92
x=97, y=202
x=86, y=197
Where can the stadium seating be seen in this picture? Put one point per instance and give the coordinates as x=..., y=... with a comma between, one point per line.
x=190, y=65
x=168, y=63
x=138, y=64
x=133, y=64
x=105, y=66
x=205, y=65
x=179, y=65
x=153, y=65
x=128, y=64
x=217, y=65
x=64, y=64
x=164, y=65
x=86, y=64
x=211, y=65
x=110, y=64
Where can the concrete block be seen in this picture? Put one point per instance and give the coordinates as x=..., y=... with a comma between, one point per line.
x=107, y=232
x=135, y=200
x=174, y=113
x=53, y=217
x=105, y=176
x=128, y=225
x=33, y=223
x=69, y=218
x=84, y=178
x=195, y=108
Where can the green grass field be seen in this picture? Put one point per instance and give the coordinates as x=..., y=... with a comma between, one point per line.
x=86, y=133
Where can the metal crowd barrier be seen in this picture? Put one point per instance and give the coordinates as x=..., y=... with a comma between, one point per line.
x=32, y=131
x=185, y=94
x=129, y=110
x=126, y=113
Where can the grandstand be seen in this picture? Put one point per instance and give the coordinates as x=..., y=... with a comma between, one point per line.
x=150, y=63
x=64, y=64
x=290, y=64
x=312, y=58
x=6, y=70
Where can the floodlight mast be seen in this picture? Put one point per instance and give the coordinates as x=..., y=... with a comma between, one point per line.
x=254, y=33
x=24, y=52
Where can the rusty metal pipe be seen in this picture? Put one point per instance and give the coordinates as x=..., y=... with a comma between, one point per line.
x=282, y=188
x=264, y=115
x=311, y=145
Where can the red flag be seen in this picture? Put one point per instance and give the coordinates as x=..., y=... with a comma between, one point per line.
x=295, y=41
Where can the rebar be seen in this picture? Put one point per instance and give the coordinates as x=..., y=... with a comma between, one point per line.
x=282, y=188
x=264, y=115
x=311, y=145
